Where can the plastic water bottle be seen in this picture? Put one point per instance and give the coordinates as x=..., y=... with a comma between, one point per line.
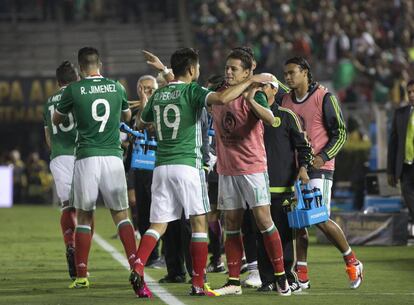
x=318, y=197
x=141, y=143
x=307, y=198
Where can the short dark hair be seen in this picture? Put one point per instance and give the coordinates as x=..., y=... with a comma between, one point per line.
x=66, y=73
x=303, y=64
x=410, y=83
x=215, y=81
x=88, y=56
x=182, y=60
x=245, y=54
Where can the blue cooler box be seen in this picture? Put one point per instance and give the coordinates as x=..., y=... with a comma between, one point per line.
x=383, y=204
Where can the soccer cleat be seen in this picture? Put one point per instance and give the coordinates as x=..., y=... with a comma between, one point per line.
x=209, y=292
x=205, y=291
x=231, y=287
x=304, y=284
x=355, y=274
x=70, y=258
x=79, y=283
x=295, y=287
x=267, y=287
x=140, y=287
x=216, y=268
x=252, y=280
x=282, y=286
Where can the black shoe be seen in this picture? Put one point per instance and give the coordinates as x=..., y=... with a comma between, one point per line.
x=243, y=267
x=172, y=279
x=295, y=287
x=70, y=258
x=267, y=287
x=216, y=267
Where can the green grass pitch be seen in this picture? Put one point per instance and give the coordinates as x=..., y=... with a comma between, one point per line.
x=33, y=270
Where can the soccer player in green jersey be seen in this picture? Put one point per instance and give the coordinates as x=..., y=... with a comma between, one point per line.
x=61, y=142
x=178, y=181
x=98, y=105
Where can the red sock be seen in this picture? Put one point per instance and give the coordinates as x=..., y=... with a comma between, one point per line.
x=199, y=252
x=234, y=252
x=127, y=235
x=147, y=244
x=302, y=271
x=274, y=249
x=68, y=224
x=82, y=245
x=350, y=259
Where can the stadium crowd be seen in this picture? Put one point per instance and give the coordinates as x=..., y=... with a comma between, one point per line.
x=367, y=47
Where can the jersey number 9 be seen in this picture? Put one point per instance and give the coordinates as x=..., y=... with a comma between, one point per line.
x=101, y=118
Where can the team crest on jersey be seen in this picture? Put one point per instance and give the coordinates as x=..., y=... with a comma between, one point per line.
x=276, y=122
x=229, y=122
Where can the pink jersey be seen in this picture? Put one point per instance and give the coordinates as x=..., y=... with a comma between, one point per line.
x=239, y=139
x=311, y=115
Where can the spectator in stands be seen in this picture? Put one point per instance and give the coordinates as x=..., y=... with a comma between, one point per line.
x=38, y=179
x=401, y=150
x=305, y=26
x=19, y=176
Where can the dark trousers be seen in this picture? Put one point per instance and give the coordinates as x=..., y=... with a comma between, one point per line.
x=143, y=182
x=215, y=245
x=176, y=241
x=407, y=188
x=249, y=230
x=265, y=267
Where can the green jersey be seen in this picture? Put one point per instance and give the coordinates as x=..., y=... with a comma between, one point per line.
x=96, y=103
x=63, y=136
x=176, y=111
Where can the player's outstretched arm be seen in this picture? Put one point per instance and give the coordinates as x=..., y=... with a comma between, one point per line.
x=261, y=112
x=157, y=64
x=231, y=93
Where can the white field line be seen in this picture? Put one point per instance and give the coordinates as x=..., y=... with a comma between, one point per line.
x=156, y=289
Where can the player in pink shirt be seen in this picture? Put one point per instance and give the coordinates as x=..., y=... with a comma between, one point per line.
x=242, y=169
x=321, y=115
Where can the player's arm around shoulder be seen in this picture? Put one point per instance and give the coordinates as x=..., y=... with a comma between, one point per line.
x=64, y=107
x=231, y=93
x=259, y=105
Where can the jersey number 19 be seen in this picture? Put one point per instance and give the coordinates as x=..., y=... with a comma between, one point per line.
x=170, y=124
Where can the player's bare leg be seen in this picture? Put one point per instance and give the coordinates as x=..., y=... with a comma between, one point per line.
x=336, y=236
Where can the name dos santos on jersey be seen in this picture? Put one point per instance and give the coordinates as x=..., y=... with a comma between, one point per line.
x=98, y=89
